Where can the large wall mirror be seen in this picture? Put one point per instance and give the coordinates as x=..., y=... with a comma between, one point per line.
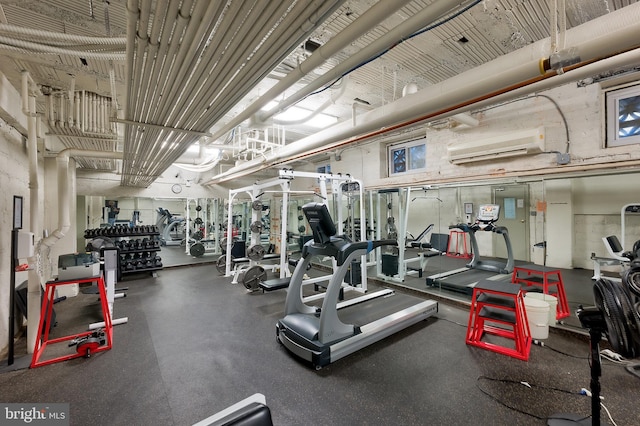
x=553, y=224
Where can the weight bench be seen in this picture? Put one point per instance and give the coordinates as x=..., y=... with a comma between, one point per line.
x=618, y=257
x=436, y=246
x=616, y=250
x=279, y=283
x=274, y=284
x=416, y=242
x=252, y=411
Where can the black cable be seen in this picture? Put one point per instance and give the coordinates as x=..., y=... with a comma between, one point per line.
x=522, y=383
x=562, y=353
x=451, y=321
x=564, y=119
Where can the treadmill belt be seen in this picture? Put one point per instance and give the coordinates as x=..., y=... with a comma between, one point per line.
x=374, y=309
x=465, y=281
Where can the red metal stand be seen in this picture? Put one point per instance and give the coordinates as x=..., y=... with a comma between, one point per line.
x=45, y=318
x=544, y=276
x=497, y=308
x=456, y=238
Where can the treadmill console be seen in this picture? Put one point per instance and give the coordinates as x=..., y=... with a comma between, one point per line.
x=320, y=222
x=487, y=215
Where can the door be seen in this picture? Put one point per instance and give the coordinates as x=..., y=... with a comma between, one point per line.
x=514, y=208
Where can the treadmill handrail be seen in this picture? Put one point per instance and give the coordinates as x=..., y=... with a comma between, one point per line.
x=341, y=247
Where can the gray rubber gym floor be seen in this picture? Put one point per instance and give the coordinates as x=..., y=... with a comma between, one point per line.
x=195, y=344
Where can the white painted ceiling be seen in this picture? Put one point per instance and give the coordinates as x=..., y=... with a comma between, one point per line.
x=239, y=49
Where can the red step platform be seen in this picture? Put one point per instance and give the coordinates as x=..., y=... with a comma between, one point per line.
x=546, y=278
x=458, y=238
x=497, y=308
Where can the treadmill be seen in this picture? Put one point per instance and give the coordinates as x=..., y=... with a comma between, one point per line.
x=324, y=335
x=464, y=279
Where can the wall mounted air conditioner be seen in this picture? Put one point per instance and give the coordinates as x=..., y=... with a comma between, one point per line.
x=513, y=144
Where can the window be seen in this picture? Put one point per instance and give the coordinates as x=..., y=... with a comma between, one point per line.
x=623, y=116
x=408, y=157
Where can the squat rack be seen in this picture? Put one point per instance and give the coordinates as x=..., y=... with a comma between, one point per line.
x=285, y=176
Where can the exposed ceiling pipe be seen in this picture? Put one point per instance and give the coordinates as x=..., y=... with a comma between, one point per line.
x=326, y=104
x=358, y=103
x=72, y=90
x=599, y=39
x=33, y=284
x=50, y=37
x=514, y=92
x=420, y=20
x=10, y=132
x=214, y=68
x=465, y=119
x=42, y=48
x=368, y=20
x=287, y=38
x=64, y=200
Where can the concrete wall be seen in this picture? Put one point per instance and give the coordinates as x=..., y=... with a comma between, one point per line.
x=14, y=181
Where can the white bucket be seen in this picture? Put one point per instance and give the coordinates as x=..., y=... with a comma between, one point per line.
x=538, y=317
x=551, y=300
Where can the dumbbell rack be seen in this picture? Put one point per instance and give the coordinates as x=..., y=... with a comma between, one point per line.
x=138, y=247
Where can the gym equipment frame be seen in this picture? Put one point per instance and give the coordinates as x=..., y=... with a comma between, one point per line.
x=404, y=263
x=258, y=189
x=86, y=343
x=615, y=248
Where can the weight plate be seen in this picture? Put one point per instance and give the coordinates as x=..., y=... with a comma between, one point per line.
x=198, y=221
x=301, y=228
x=253, y=276
x=257, y=205
x=221, y=264
x=255, y=252
x=197, y=250
x=257, y=226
